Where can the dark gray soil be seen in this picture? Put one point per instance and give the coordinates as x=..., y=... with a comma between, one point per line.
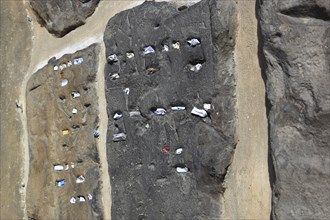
x=144, y=180
x=49, y=111
x=60, y=17
x=295, y=36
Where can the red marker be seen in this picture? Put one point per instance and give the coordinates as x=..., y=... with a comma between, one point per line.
x=166, y=149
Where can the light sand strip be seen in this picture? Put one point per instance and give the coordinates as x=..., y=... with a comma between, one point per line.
x=24, y=138
x=248, y=194
x=100, y=84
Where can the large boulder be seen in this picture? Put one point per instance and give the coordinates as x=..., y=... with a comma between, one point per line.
x=143, y=163
x=295, y=37
x=60, y=130
x=60, y=17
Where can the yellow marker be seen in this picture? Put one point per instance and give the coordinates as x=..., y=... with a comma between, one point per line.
x=65, y=132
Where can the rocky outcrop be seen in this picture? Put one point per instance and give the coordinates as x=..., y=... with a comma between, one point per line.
x=295, y=36
x=153, y=69
x=60, y=128
x=61, y=17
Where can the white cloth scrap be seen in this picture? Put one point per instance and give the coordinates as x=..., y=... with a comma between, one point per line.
x=148, y=50
x=114, y=76
x=117, y=115
x=178, y=108
x=58, y=167
x=199, y=112
x=134, y=113
x=75, y=94
x=207, y=106
x=78, y=60
x=126, y=90
x=193, y=42
x=160, y=111
x=182, y=169
x=80, y=179
x=119, y=137
x=89, y=196
x=176, y=45
x=73, y=200
x=165, y=48
x=113, y=58
x=178, y=151
x=130, y=55
x=196, y=68
x=64, y=82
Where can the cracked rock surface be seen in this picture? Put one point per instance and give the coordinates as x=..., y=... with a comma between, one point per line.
x=61, y=17
x=148, y=179
x=60, y=135
x=295, y=37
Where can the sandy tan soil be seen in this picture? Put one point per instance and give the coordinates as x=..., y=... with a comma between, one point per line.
x=15, y=41
x=106, y=189
x=248, y=194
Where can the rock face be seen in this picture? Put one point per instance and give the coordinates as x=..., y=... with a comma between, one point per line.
x=144, y=84
x=61, y=17
x=295, y=37
x=61, y=133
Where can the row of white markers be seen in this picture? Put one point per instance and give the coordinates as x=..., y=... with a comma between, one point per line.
x=73, y=199
x=76, y=61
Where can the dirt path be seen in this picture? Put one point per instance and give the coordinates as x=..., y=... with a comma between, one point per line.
x=106, y=188
x=248, y=194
